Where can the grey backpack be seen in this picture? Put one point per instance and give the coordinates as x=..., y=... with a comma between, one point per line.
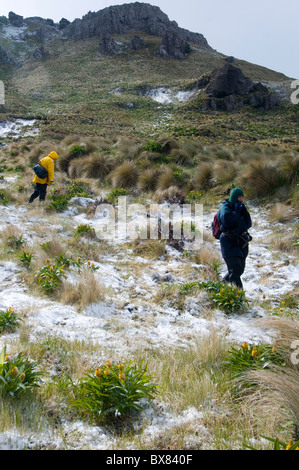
x=40, y=171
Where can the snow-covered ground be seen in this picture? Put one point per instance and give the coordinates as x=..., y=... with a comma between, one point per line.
x=18, y=127
x=129, y=319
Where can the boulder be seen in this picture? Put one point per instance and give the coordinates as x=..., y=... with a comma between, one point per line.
x=227, y=81
x=63, y=23
x=228, y=89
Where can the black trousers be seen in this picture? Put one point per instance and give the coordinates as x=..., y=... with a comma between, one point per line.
x=235, y=266
x=40, y=190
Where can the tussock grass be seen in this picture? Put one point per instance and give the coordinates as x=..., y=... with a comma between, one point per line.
x=203, y=176
x=166, y=179
x=124, y=175
x=96, y=166
x=283, y=213
x=260, y=178
x=184, y=372
x=173, y=195
x=148, y=179
x=224, y=171
x=87, y=291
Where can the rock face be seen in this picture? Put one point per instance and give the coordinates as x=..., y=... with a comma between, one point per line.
x=107, y=45
x=228, y=89
x=130, y=17
x=173, y=46
x=15, y=20
x=137, y=43
x=6, y=57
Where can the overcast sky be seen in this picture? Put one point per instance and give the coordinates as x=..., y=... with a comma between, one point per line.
x=263, y=32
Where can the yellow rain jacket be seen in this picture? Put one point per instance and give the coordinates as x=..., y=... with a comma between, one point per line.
x=48, y=164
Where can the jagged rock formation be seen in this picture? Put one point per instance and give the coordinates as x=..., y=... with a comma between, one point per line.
x=228, y=89
x=173, y=46
x=107, y=45
x=15, y=20
x=127, y=18
x=137, y=43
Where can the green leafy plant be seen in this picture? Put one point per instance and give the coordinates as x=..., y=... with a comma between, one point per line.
x=225, y=296
x=152, y=146
x=50, y=277
x=4, y=198
x=113, y=390
x=244, y=358
x=59, y=201
x=17, y=375
x=194, y=195
x=8, y=320
x=115, y=193
x=77, y=150
x=15, y=242
x=86, y=230
x=63, y=260
x=26, y=258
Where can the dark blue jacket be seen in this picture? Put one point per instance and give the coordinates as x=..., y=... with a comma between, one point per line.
x=232, y=224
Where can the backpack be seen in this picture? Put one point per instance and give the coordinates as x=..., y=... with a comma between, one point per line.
x=40, y=171
x=216, y=227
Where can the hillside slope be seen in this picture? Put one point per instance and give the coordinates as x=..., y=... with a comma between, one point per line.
x=60, y=74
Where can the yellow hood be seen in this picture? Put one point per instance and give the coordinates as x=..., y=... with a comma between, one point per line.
x=53, y=155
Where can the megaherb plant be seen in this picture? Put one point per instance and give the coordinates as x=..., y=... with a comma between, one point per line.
x=26, y=258
x=18, y=375
x=50, y=277
x=8, y=319
x=113, y=390
x=242, y=359
x=225, y=296
x=85, y=230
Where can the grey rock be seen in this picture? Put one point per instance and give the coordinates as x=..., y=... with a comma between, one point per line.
x=81, y=201
x=130, y=17
x=173, y=46
x=40, y=53
x=137, y=43
x=228, y=89
x=108, y=46
x=6, y=57
x=15, y=20
x=63, y=23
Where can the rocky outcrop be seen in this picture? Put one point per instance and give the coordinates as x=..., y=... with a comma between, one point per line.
x=107, y=45
x=130, y=17
x=228, y=89
x=137, y=43
x=15, y=20
x=6, y=57
x=63, y=23
x=173, y=46
x=40, y=53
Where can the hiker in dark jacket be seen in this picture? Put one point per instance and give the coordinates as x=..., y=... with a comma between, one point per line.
x=234, y=221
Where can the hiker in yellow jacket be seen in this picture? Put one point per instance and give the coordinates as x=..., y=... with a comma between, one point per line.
x=40, y=189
